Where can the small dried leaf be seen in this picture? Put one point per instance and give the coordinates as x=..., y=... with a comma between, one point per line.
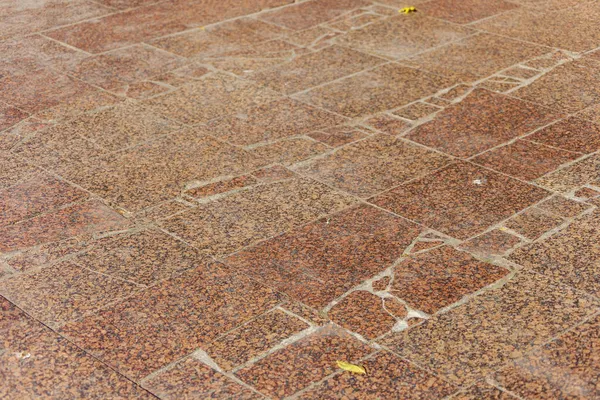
x=356, y=369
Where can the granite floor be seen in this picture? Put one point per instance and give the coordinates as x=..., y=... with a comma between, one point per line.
x=221, y=199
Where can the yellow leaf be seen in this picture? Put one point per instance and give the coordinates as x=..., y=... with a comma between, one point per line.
x=407, y=10
x=357, y=369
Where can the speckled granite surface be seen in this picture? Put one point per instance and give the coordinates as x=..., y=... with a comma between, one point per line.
x=220, y=199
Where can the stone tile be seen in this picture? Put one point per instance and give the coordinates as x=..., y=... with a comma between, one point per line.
x=525, y=160
x=383, y=88
x=40, y=194
x=10, y=116
x=338, y=135
x=591, y=113
x=47, y=253
x=145, y=90
x=144, y=258
x=126, y=4
x=417, y=33
x=441, y=277
x=570, y=87
x=174, y=318
x=586, y=194
x=495, y=242
x=37, y=16
x=117, y=69
x=388, y=377
x=533, y=223
x=273, y=174
x=483, y=391
x=214, y=96
x=289, y=151
x=574, y=176
x=191, y=379
x=461, y=200
x=311, y=13
x=14, y=169
x=74, y=220
x=462, y=12
x=272, y=121
x=250, y=340
x=571, y=134
x=312, y=264
x=37, y=363
x=572, y=29
x=63, y=292
x=567, y=367
x=482, y=120
x=448, y=60
x=362, y=312
x=373, y=165
x=156, y=20
x=314, y=69
x=303, y=362
x=388, y=124
x=224, y=186
x=521, y=72
x=42, y=89
x=570, y=256
x=311, y=36
x=243, y=218
x=479, y=337
x=416, y=111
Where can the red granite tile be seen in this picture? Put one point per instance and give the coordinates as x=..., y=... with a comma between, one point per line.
x=440, y=277
x=482, y=120
x=567, y=367
x=14, y=169
x=374, y=164
x=383, y=88
x=521, y=72
x=533, y=223
x=312, y=264
x=587, y=193
x=462, y=11
x=572, y=177
x=303, y=362
x=145, y=90
x=288, y=151
x=362, y=312
x=40, y=194
x=47, y=253
x=273, y=174
x=495, y=242
x=272, y=121
x=417, y=33
x=416, y=111
x=350, y=22
x=71, y=221
x=525, y=160
x=10, y=116
x=37, y=363
x=571, y=134
x=191, y=379
x=338, y=135
x=388, y=124
x=311, y=13
x=248, y=341
x=381, y=284
x=168, y=321
x=461, y=200
x=483, y=391
x=387, y=376
x=63, y=292
x=224, y=186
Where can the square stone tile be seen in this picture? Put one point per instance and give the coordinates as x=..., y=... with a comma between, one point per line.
x=314, y=69
x=14, y=169
x=339, y=135
x=144, y=257
x=486, y=54
x=301, y=363
x=117, y=69
x=387, y=124
x=273, y=174
x=191, y=379
x=571, y=134
x=388, y=376
x=468, y=342
x=570, y=87
x=272, y=121
x=289, y=151
x=168, y=321
x=248, y=341
x=63, y=292
x=572, y=29
x=495, y=242
x=482, y=120
x=403, y=35
x=373, y=165
x=10, y=116
x=311, y=13
x=214, y=96
x=570, y=256
x=224, y=186
x=226, y=224
x=37, y=363
x=465, y=11
x=362, y=312
x=320, y=261
x=591, y=113
x=525, y=160
x=461, y=200
x=441, y=277
x=483, y=391
x=74, y=220
x=533, y=223
x=563, y=207
x=47, y=253
x=40, y=194
x=416, y=111
x=574, y=176
x=383, y=88
x=567, y=367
